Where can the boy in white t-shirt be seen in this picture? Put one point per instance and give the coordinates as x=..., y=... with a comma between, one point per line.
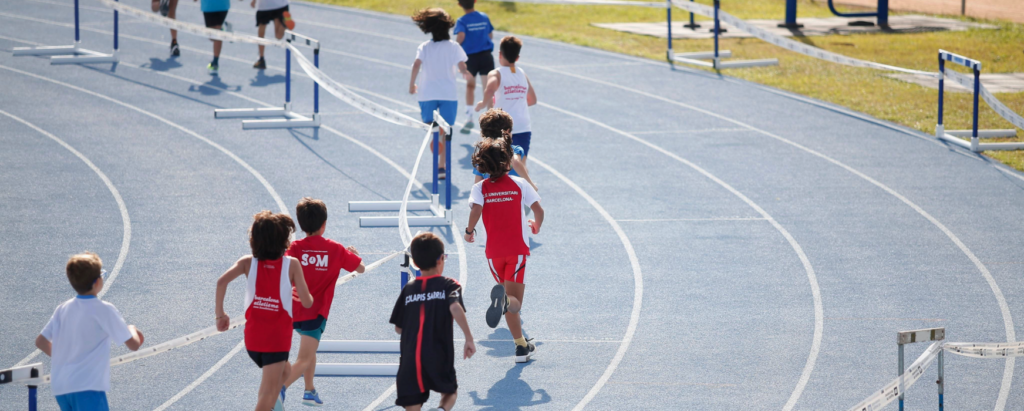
x=78, y=338
x=438, y=58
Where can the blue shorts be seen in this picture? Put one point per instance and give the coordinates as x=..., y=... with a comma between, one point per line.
x=515, y=150
x=311, y=328
x=522, y=140
x=448, y=110
x=83, y=401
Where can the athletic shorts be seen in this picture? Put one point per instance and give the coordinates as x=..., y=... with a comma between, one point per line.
x=264, y=17
x=522, y=140
x=311, y=328
x=83, y=401
x=448, y=110
x=215, y=18
x=479, y=64
x=267, y=358
x=511, y=268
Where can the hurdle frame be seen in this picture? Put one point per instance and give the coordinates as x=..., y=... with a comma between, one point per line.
x=290, y=118
x=716, y=56
x=439, y=216
x=915, y=336
x=25, y=374
x=73, y=54
x=953, y=136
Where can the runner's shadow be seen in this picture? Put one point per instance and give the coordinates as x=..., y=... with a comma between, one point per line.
x=162, y=65
x=466, y=162
x=263, y=80
x=213, y=87
x=315, y=136
x=511, y=393
x=499, y=344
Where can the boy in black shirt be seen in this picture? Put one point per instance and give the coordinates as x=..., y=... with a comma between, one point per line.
x=423, y=315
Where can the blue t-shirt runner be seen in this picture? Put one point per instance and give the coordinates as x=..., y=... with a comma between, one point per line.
x=477, y=27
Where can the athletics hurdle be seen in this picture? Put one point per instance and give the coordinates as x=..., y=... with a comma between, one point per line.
x=439, y=216
x=291, y=119
x=28, y=375
x=716, y=55
x=73, y=54
x=953, y=136
x=895, y=389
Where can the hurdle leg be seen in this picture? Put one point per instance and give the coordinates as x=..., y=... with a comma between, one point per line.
x=435, y=156
x=447, y=167
x=974, y=125
x=668, y=18
x=316, y=86
x=32, y=399
x=115, y=29
x=900, y=361
x=717, y=60
x=941, y=381
x=940, y=130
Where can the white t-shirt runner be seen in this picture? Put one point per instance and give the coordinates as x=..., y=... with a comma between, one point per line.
x=81, y=331
x=511, y=97
x=264, y=5
x=440, y=61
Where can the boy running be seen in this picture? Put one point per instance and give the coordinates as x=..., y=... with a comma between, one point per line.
x=500, y=200
x=496, y=123
x=169, y=9
x=268, y=309
x=437, y=58
x=214, y=13
x=322, y=260
x=423, y=316
x=474, y=32
x=509, y=88
x=78, y=338
x=267, y=11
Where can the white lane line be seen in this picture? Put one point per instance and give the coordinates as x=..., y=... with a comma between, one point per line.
x=126, y=222
x=383, y=397
x=819, y=314
x=202, y=378
x=638, y=285
x=706, y=130
x=1004, y=390
x=659, y=220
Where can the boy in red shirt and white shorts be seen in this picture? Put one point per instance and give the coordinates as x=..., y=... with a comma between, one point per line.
x=499, y=200
x=322, y=260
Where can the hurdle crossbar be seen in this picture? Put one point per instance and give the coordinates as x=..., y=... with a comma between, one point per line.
x=716, y=55
x=356, y=369
x=73, y=54
x=358, y=346
x=954, y=136
x=26, y=374
x=290, y=118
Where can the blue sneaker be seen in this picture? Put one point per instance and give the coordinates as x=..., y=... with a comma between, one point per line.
x=283, y=391
x=312, y=399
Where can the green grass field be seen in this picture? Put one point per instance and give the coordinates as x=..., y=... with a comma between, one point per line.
x=864, y=90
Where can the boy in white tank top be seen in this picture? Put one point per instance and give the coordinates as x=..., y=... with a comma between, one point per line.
x=509, y=88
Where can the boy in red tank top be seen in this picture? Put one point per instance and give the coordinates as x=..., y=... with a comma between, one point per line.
x=322, y=260
x=268, y=309
x=499, y=200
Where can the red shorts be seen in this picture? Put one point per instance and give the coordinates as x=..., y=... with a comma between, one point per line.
x=511, y=268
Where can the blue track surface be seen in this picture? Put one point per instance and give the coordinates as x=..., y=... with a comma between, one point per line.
x=710, y=243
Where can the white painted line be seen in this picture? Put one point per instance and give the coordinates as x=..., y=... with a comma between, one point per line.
x=706, y=130
x=658, y=220
x=202, y=378
x=383, y=397
x=1004, y=390
x=126, y=223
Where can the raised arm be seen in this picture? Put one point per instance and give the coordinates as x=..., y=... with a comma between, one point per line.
x=362, y=268
x=415, y=72
x=459, y=315
x=295, y=272
x=239, y=268
x=493, y=82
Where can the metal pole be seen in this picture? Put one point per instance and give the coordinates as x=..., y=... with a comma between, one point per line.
x=32, y=398
x=977, y=91
x=287, y=75
x=316, y=86
x=942, y=87
x=435, y=154
x=115, y=26
x=901, y=376
x=716, y=34
x=668, y=18
x=941, y=382
x=448, y=166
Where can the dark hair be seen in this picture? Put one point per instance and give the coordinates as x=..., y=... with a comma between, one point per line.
x=467, y=4
x=435, y=21
x=495, y=123
x=311, y=213
x=270, y=235
x=493, y=156
x=510, y=47
x=426, y=249
x=83, y=270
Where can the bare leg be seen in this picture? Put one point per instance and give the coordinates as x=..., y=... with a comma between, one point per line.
x=448, y=401
x=514, y=291
x=279, y=28
x=172, y=15
x=270, y=386
x=470, y=90
x=216, y=44
x=305, y=364
x=156, y=5
x=261, y=31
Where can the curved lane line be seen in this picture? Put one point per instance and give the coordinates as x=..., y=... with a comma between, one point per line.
x=126, y=222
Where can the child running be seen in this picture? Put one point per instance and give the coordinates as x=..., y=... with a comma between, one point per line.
x=500, y=200
x=169, y=9
x=268, y=309
x=267, y=11
x=78, y=338
x=496, y=123
x=474, y=32
x=322, y=260
x=215, y=12
x=509, y=88
x=423, y=316
x=437, y=58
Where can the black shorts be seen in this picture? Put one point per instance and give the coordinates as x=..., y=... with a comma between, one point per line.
x=480, y=63
x=267, y=358
x=215, y=18
x=264, y=17
x=442, y=381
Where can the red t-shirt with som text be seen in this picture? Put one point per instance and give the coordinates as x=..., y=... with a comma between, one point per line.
x=322, y=260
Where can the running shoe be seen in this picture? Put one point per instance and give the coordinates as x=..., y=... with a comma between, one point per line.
x=523, y=353
x=226, y=27
x=175, y=51
x=284, y=390
x=165, y=7
x=442, y=174
x=498, y=307
x=288, y=22
x=213, y=68
x=312, y=399
x=261, y=64
x=467, y=127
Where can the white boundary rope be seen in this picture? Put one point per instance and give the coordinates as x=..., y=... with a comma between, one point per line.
x=891, y=391
x=1005, y=112
x=986, y=350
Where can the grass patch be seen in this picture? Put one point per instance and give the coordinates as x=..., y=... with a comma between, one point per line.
x=864, y=90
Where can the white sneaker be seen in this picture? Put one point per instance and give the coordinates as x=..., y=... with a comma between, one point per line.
x=469, y=122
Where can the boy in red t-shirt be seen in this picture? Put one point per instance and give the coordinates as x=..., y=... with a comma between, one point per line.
x=500, y=199
x=322, y=260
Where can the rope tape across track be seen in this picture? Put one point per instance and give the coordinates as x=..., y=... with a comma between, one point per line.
x=196, y=29
x=996, y=105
